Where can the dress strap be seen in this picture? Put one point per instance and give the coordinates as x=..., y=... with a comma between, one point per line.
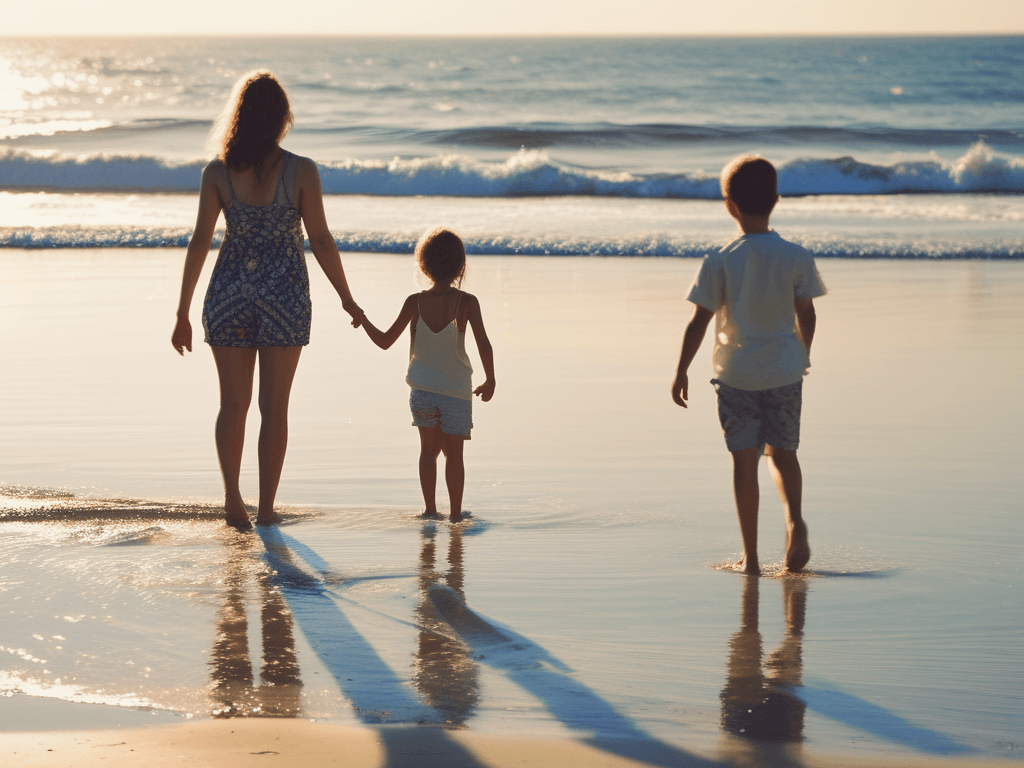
x=231, y=187
x=286, y=186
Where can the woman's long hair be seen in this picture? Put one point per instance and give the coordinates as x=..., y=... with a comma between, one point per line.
x=255, y=119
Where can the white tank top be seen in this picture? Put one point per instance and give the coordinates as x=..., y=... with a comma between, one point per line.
x=439, y=362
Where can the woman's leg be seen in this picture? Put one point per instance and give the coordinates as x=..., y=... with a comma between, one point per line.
x=235, y=366
x=277, y=371
x=454, y=472
x=430, y=448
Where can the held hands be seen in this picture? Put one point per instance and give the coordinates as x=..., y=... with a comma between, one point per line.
x=181, y=338
x=353, y=309
x=679, y=389
x=485, y=390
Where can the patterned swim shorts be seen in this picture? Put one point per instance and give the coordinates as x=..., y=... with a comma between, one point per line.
x=755, y=418
x=454, y=414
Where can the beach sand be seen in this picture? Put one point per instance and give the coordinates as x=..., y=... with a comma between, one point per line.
x=591, y=606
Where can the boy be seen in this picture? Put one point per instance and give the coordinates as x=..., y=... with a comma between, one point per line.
x=760, y=290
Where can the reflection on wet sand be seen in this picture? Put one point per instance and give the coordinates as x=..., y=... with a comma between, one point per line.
x=758, y=700
x=445, y=672
x=233, y=688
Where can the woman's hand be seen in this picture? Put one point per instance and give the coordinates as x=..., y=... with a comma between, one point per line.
x=353, y=309
x=181, y=339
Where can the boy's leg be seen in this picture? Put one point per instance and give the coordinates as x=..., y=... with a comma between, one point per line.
x=785, y=469
x=744, y=483
x=430, y=449
x=454, y=472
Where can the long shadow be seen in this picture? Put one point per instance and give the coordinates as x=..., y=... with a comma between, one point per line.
x=233, y=689
x=764, y=702
x=378, y=696
x=758, y=705
x=538, y=672
x=856, y=712
x=445, y=672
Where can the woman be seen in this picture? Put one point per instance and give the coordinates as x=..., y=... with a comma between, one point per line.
x=257, y=305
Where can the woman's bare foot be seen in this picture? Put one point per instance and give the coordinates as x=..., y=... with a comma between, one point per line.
x=237, y=517
x=748, y=566
x=798, y=550
x=270, y=518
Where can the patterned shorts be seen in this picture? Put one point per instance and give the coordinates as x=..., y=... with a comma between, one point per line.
x=755, y=418
x=454, y=414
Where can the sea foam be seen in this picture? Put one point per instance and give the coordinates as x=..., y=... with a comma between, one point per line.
x=529, y=172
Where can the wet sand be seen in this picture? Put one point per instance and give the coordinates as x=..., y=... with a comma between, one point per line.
x=603, y=515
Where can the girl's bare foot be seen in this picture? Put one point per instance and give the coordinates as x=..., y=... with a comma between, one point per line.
x=798, y=550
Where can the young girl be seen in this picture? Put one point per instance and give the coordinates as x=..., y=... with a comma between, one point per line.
x=439, y=369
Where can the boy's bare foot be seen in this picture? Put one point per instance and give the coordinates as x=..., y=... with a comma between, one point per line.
x=271, y=518
x=455, y=517
x=430, y=514
x=748, y=566
x=798, y=550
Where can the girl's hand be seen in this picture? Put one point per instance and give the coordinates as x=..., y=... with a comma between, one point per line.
x=181, y=339
x=485, y=390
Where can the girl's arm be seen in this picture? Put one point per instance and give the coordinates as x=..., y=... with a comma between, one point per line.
x=198, y=249
x=310, y=202
x=385, y=339
x=483, y=347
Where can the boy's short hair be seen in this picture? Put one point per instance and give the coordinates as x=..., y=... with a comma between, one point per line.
x=752, y=183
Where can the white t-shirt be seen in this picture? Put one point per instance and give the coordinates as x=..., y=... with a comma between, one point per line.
x=751, y=285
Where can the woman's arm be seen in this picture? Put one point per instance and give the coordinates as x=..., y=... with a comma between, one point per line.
x=311, y=207
x=483, y=347
x=198, y=249
x=385, y=339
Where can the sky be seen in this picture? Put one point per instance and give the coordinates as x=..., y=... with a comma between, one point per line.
x=501, y=17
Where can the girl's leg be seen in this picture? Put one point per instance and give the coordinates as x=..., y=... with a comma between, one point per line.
x=789, y=481
x=277, y=371
x=454, y=472
x=235, y=366
x=744, y=483
x=430, y=449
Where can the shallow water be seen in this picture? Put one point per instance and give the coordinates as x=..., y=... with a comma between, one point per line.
x=593, y=566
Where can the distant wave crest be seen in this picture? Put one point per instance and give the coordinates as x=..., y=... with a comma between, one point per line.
x=530, y=173
x=505, y=245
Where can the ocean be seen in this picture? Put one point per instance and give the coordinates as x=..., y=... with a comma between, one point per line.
x=590, y=597
x=534, y=146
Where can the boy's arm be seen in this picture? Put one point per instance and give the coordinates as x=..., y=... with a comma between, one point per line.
x=692, y=338
x=806, y=319
x=483, y=347
x=385, y=339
